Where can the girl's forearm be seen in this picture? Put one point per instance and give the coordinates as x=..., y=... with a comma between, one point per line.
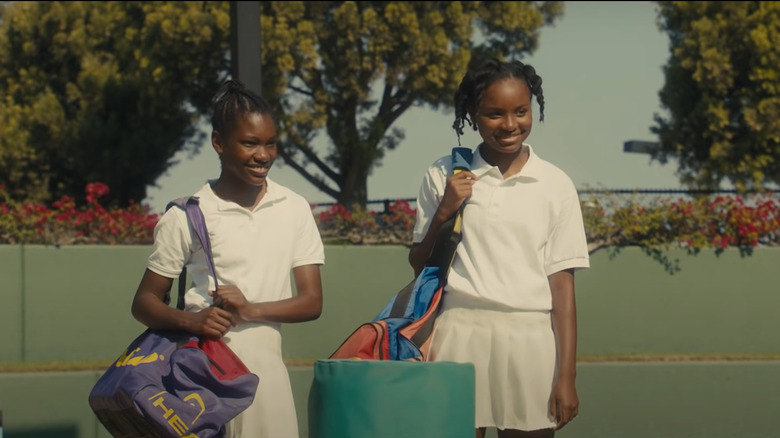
x=564, y=320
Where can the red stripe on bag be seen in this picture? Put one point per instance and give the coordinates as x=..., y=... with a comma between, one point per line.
x=223, y=361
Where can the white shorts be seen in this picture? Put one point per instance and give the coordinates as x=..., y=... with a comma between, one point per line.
x=514, y=359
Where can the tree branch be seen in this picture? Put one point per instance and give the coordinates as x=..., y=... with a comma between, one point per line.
x=317, y=182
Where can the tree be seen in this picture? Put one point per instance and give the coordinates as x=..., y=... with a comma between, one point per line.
x=104, y=91
x=722, y=93
x=351, y=69
x=110, y=91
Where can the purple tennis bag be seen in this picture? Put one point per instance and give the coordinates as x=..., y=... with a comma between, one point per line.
x=173, y=384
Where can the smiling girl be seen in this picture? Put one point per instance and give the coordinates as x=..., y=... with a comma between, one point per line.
x=508, y=306
x=260, y=232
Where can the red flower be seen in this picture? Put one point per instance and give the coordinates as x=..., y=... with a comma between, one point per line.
x=95, y=190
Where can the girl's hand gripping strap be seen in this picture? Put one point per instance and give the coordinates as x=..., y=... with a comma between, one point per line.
x=449, y=235
x=461, y=160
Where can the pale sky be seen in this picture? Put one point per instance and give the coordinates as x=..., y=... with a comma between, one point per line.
x=601, y=66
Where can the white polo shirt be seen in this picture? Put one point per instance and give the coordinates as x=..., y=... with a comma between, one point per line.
x=254, y=250
x=516, y=231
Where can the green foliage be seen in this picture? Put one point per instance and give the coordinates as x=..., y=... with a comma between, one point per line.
x=353, y=68
x=722, y=93
x=105, y=91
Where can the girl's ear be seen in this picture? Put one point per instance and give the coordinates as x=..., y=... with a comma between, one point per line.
x=216, y=142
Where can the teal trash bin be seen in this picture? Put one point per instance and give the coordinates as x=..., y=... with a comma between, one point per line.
x=392, y=399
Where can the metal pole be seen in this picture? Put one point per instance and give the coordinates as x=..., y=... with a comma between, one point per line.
x=245, y=43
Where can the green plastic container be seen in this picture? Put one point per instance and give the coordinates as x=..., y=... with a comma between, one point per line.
x=392, y=399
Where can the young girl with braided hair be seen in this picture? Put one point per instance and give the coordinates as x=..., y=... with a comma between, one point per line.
x=261, y=234
x=509, y=306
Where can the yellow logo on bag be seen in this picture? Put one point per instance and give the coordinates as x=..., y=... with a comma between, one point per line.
x=174, y=420
x=128, y=359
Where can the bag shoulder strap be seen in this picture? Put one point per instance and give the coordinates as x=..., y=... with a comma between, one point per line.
x=450, y=233
x=443, y=251
x=191, y=206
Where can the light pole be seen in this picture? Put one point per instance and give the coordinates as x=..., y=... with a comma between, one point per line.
x=641, y=146
x=245, y=44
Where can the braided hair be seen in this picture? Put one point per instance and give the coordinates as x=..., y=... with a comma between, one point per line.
x=232, y=101
x=477, y=79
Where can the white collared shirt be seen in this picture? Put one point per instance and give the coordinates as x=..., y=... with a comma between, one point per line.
x=254, y=250
x=516, y=231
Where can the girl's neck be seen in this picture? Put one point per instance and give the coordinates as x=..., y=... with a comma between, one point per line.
x=245, y=195
x=508, y=164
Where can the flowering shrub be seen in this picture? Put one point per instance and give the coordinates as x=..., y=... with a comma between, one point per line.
x=716, y=222
x=65, y=223
x=361, y=226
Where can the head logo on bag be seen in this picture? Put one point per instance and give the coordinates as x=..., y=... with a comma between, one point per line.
x=169, y=416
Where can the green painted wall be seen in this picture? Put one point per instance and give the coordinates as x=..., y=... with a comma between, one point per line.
x=81, y=293
x=12, y=307
x=627, y=303
x=723, y=304
x=73, y=303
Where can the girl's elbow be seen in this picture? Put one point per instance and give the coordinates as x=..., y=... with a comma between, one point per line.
x=136, y=311
x=315, y=310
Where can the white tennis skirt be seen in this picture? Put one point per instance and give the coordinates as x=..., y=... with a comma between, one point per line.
x=272, y=414
x=514, y=360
